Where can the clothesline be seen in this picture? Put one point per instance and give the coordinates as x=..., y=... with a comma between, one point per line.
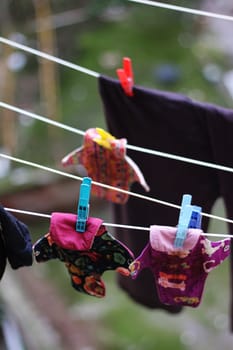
x=184, y=9
x=49, y=57
x=131, y=147
x=75, y=177
x=137, y=195
x=140, y=228
x=95, y=74
x=41, y=118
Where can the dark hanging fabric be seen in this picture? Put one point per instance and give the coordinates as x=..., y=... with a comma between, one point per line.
x=15, y=241
x=2, y=255
x=173, y=123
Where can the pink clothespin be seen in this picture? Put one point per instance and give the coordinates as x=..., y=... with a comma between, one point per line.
x=125, y=76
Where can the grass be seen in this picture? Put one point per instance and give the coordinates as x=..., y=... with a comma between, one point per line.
x=129, y=326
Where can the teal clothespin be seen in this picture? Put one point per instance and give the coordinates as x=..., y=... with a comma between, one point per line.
x=184, y=220
x=83, y=204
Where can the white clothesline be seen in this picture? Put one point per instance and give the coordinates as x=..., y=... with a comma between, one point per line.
x=128, y=146
x=49, y=57
x=41, y=118
x=130, y=227
x=184, y=9
x=137, y=195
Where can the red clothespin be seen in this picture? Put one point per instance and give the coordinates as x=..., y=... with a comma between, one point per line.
x=125, y=76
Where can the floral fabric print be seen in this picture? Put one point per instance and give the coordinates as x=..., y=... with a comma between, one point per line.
x=87, y=266
x=104, y=159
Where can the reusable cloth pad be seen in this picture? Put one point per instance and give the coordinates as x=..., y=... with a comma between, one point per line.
x=180, y=273
x=86, y=255
x=104, y=158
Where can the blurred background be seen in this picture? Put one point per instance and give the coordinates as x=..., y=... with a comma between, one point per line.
x=171, y=51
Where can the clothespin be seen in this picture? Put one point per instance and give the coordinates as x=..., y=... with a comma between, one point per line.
x=83, y=204
x=125, y=76
x=196, y=217
x=104, y=139
x=184, y=220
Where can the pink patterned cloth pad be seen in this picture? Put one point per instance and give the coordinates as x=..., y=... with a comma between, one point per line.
x=180, y=273
x=106, y=162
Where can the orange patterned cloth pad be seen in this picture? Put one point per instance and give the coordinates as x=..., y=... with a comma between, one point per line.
x=105, y=160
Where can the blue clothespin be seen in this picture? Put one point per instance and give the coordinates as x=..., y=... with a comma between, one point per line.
x=83, y=204
x=196, y=217
x=184, y=220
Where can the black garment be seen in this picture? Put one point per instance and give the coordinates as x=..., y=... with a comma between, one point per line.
x=15, y=240
x=2, y=255
x=173, y=123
